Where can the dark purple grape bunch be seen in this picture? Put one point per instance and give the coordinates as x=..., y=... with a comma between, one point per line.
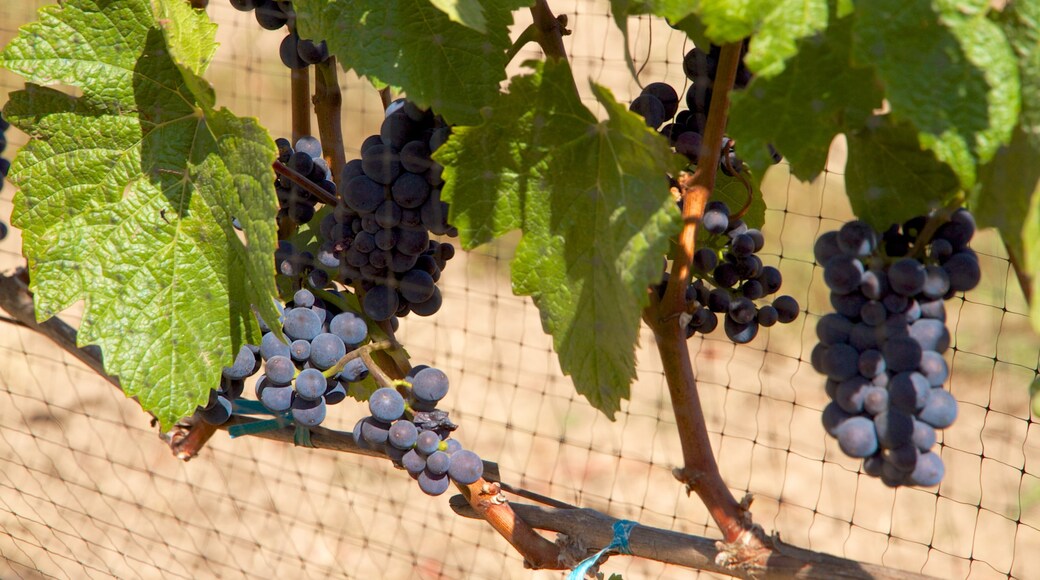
x=378, y=237
x=295, y=52
x=307, y=374
x=5, y=165
x=415, y=435
x=659, y=102
x=732, y=281
x=882, y=348
x=295, y=202
x=232, y=382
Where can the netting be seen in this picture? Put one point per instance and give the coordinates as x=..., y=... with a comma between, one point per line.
x=87, y=489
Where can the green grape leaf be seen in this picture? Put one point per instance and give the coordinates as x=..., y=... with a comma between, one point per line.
x=127, y=195
x=819, y=95
x=775, y=26
x=414, y=45
x=889, y=178
x=947, y=69
x=1008, y=198
x=592, y=200
x=777, y=33
x=466, y=12
x=1021, y=23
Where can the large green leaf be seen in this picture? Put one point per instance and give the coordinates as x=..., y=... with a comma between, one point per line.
x=948, y=69
x=775, y=26
x=890, y=178
x=1008, y=198
x=1021, y=23
x=592, y=200
x=414, y=45
x=819, y=95
x=128, y=192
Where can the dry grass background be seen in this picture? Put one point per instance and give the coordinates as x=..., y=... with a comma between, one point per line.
x=87, y=490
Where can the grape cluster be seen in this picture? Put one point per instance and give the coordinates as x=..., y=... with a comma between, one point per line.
x=730, y=278
x=295, y=52
x=5, y=165
x=305, y=375
x=414, y=434
x=232, y=382
x=295, y=202
x=378, y=237
x=881, y=349
x=659, y=102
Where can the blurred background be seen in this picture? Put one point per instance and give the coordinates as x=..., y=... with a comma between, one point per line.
x=88, y=490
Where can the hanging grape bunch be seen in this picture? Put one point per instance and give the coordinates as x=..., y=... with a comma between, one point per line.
x=730, y=280
x=658, y=102
x=295, y=52
x=414, y=434
x=390, y=203
x=881, y=349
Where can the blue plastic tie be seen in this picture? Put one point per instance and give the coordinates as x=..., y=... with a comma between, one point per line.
x=248, y=407
x=258, y=427
x=619, y=543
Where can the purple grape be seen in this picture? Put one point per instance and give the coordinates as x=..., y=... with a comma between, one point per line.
x=857, y=437
x=386, y=405
x=466, y=467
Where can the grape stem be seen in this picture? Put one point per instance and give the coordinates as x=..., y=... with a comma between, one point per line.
x=386, y=97
x=747, y=188
x=530, y=34
x=311, y=187
x=358, y=352
x=300, y=102
x=935, y=221
x=700, y=472
x=328, y=103
x=382, y=379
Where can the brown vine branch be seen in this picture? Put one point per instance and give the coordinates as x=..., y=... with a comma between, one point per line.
x=700, y=472
x=311, y=187
x=697, y=189
x=385, y=97
x=549, y=30
x=486, y=499
x=328, y=103
x=300, y=102
x=595, y=529
x=516, y=522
